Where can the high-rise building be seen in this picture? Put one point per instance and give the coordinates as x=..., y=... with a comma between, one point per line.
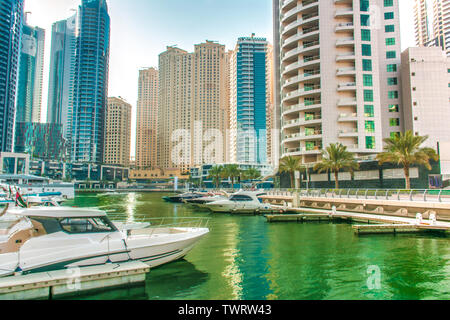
x=11, y=22
x=441, y=24
x=43, y=141
x=62, y=74
x=91, y=82
x=31, y=72
x=339, y=64
x=117, y=132
x=147, y=119
x=422, y=24
x=426, y=93
x=193, y=106
x=433, y=31
x=249, y=109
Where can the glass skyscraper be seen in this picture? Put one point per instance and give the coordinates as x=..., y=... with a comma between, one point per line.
x=11, y=20
x=91, y=82
x=249, y=101
x=62, y=74
x=31, y=69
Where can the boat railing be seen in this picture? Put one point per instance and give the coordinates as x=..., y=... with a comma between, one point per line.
x=166, y=222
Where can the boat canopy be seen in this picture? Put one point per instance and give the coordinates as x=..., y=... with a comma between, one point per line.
x=59, y=212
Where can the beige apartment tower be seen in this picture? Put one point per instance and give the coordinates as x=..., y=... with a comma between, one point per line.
x=193, y=106
x=339, y=75
x=426, y=93
x=421, y=22
x=117, y=132
x=433, y=31
x=147, y=119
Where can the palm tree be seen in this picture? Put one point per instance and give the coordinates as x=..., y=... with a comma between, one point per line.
x=291, y=165
x=231, y=171
x=216, y=174
x=335, y=158
x=405, y=149
x=251, y=174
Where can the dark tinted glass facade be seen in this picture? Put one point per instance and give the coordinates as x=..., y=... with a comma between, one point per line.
x=11, y=20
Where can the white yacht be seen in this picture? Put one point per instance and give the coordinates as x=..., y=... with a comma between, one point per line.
x=240, y=202
x=51, y=238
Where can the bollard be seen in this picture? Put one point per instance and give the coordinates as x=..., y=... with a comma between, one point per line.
x=418, y=218
x=432, y=219
x=333, y=210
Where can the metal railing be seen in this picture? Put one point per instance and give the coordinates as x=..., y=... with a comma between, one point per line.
x=163, y=222
x=425, y=195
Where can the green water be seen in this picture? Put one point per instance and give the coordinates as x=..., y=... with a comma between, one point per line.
x=244, y=257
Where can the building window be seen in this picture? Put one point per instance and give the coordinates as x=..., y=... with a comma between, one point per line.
x=395, y=135
x=369, y=111
x=367, y=65
x=368, y=95
x=394, y=122
x=391, y=55
x=365, y=20
x=388, y=3
x=389, y=28
x=367, y=50
x=388, y=16
x=391, y=68
x=370, y=126
x=365, y=35
x=367, y=80
x=390, y=41
x=392, y=81
x=393, y=108
x=370, y=142
x=364, y=5
x=393, y=94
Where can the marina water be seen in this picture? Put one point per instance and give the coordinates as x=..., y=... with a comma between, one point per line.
x=244, y=257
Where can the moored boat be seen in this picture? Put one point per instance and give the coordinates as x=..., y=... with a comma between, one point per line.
x=44, y=239
x=241, y=202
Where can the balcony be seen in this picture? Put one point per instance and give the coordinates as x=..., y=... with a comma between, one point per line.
x=345, y=26
x=316, y=105
x=351, y=117
x=301, y=92
x=347, y=86
x=343, y=42
x=294, y=25
x=348, y=133
x=346, y=71
x=293, y=12
x=303, y=150
x=310, y=46
x=301, y=122
x=300, y=35
x=300, y=64
x=346, y=56
x=347, y=102
x=344, y=13
x=316, y=134
x=302, y=77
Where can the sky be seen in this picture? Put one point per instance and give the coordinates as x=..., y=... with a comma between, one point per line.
x=142, y=29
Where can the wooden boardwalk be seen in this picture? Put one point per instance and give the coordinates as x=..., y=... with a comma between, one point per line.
x=374, y=223
x=46, y=285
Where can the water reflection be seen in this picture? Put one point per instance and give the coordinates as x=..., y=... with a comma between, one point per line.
x=244, y=257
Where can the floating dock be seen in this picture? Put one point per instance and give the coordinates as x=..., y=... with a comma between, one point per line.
x=374, y=223
x=53, y=284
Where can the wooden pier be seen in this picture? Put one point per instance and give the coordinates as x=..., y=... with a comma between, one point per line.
x=374, y=224
x=48, y=285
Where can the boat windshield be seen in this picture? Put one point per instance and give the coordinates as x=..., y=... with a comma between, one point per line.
x=241, y=198
x=87, y=225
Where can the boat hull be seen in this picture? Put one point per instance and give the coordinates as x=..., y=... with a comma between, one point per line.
x=139, y=247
